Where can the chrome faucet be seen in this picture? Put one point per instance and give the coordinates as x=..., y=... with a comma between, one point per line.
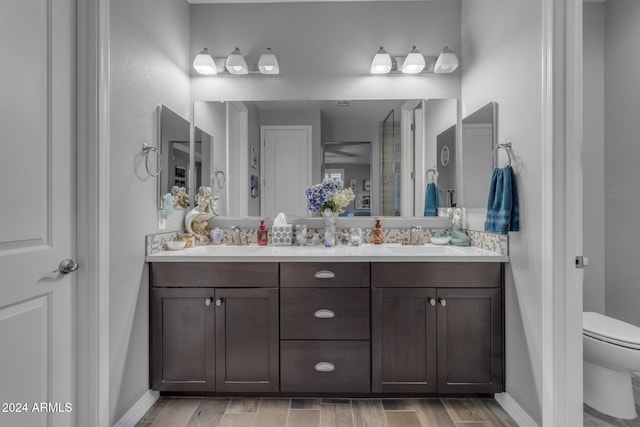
x=416, y=237
x=236, y=237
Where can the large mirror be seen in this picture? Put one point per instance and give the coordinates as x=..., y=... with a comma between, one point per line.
x=479, y=137
x=266, y=153
x=174, y=147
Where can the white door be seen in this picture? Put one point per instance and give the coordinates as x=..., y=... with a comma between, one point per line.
x=286, y=170
x=37, y=220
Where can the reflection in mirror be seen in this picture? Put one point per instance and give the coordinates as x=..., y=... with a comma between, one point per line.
x=369, y=143
x=478, y=140
x=440, y=119
x=173, y=137
x=446, y=158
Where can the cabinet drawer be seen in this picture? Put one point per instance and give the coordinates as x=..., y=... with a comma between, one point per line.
x=324, y=313
x=325, y=366
x=436, y=274
x=324, y=274
x=206, y=274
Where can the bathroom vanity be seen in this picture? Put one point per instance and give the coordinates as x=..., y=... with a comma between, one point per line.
x=310, y=320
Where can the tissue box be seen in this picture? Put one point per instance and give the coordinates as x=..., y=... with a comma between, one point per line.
x=281, y=235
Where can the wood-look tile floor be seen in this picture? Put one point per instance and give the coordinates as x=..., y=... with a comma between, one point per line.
x=593, y=418
x=274, y=412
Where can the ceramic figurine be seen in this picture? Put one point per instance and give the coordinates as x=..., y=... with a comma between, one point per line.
x=180, y=197
x=196, y=220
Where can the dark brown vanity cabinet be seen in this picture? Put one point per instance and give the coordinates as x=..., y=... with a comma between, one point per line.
x=206, y=338
x=324, y=327
x=327, y=327
x=182, y=339
x=430, y=333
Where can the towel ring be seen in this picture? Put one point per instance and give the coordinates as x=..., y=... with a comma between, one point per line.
x=146, y=150
x=436, y=174
x=506, y=147
x=220, y=181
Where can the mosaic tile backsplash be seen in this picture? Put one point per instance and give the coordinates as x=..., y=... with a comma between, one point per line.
x=494, y=242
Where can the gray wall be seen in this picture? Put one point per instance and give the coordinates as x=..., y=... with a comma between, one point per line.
x=325, y=49
x=501, y=57
x=621, y=159
x=149, y=65
x=593, y=156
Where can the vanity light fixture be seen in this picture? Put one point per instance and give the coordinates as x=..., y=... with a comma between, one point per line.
x=381, y=63
x=204, y=63
x=268, y=63
x=413, y=63
x=447, y=62
x=236, y=63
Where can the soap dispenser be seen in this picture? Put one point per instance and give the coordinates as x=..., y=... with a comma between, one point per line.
x=262, y=234
x=378, y=233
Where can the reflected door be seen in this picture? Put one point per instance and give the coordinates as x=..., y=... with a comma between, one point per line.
x=37, y=166
x=285, y=170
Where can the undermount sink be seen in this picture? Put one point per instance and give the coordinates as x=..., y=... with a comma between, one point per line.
x=423, y=250
x=227, y=249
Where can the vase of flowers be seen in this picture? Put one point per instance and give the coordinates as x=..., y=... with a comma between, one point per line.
x=329, y=198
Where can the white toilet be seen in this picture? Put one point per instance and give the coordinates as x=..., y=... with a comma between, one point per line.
x=611, y=352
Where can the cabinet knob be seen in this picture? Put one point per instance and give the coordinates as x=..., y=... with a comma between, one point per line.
x=324, y=313
x=325, y=367
x=443, y=302
x=324, y=274
x=431, y=301
x=208, y=301
x=219, y=302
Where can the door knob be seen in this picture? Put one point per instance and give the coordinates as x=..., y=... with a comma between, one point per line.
x=431, y=301
x=67, y=266
x=443, y=302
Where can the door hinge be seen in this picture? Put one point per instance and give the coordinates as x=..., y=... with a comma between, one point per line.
x=413, y=126
x=582, y=261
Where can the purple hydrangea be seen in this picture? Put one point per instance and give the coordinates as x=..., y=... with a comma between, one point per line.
x=320, y=196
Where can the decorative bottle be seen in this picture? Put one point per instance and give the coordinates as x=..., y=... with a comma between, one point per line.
x=378, y=233
x=262, y=234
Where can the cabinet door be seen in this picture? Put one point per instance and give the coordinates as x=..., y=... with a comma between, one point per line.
x=404, y=340
x=182, y=339
x=470, y=348
x=247, y=340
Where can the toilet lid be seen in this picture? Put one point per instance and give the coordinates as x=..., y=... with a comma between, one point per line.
x=611, y=330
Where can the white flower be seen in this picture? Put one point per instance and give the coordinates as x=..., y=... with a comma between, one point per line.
x=344, y=197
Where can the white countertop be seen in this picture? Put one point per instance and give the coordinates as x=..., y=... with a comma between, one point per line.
x=364, y=253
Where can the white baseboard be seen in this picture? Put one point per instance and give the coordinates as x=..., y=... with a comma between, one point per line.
x=514, y=410
x=137, y=411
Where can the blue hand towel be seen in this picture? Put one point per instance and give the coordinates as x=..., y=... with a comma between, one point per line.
x=431, y=200
x=503, y=214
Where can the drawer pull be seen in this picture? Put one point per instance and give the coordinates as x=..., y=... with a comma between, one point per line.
x=324, y=274
x=324, y=314
x=325, y=367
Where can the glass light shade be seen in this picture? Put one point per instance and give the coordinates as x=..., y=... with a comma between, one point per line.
x=268, y=63
x=413, y=63
x=204, y=63
x=447, y=62
x=236, y=64
x=381, y=63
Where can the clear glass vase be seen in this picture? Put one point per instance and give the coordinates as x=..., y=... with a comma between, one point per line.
x=329, y=227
